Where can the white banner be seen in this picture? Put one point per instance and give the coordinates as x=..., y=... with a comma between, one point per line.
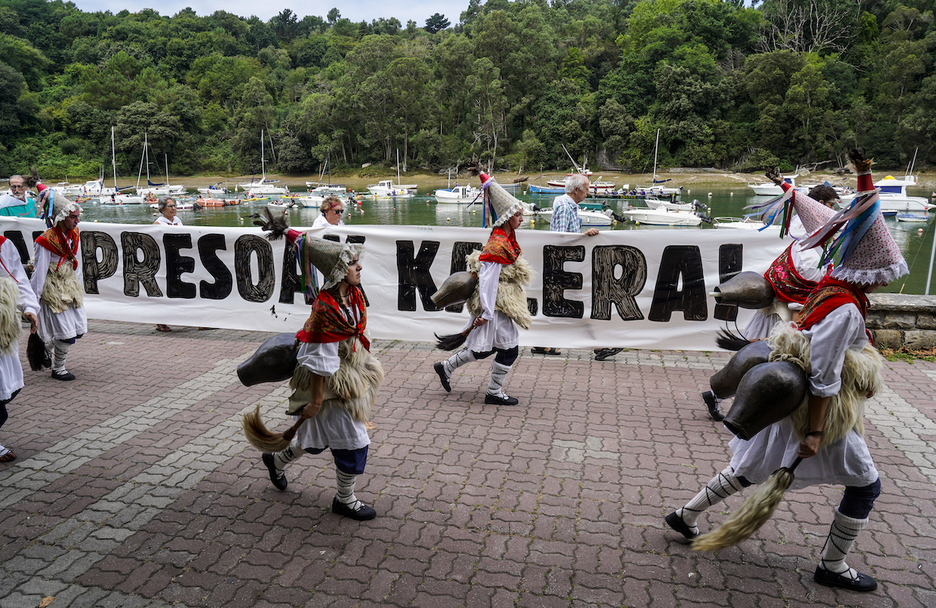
x=647, y=288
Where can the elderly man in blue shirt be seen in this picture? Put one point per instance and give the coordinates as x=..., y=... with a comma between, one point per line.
x=565, y=218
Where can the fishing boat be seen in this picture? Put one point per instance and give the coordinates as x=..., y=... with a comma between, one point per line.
x=459, y=195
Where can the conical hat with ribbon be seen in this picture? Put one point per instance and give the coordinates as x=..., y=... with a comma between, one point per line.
x=57, y=207
x=811, y=212
x=499, y=205
x=864, y=251
x=330, y=258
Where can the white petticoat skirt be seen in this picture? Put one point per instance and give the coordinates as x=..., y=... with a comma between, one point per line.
x=333, y=427
x=846, y=462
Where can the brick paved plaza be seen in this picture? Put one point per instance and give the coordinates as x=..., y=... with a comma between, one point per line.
x=135, y=488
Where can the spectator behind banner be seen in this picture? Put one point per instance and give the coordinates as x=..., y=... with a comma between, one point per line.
x=16, y=202
x=329, y=213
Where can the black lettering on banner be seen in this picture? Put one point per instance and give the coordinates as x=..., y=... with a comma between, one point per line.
x=460, y=251
x=679, y=262
x=17, y=239
x=621, y=292
x=177, y=265
x=244, y=248
x=290, y=283
x=99, y=258
x=730, y=259
x=556, y=281
x=138, y=271
x=414, y=274
x=224, y=281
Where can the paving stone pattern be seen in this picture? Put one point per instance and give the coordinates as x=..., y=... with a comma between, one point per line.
x=134, y=488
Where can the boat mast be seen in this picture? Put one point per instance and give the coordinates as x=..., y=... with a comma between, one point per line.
x=142, y=159
x=114, y=159
x=262, y=161
x=656, y=149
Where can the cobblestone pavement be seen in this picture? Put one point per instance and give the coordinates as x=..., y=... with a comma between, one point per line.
x=135, y=488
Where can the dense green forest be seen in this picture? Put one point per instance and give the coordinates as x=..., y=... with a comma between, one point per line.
x=786, y=82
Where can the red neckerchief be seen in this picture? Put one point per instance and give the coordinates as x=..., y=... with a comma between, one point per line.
x=501, y=247
x=787, y=283
x=54, y=239
x=328, y=324
x=829, y=295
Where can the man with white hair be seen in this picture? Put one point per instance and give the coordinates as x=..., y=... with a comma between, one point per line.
x=565, y=218
x=57, y=281
x=15, y=202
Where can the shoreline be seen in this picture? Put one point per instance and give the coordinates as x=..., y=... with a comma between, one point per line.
x=926, y=180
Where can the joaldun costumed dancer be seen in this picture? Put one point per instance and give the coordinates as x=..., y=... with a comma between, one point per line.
x=795, y=272
x=336, y=380
x=499, y=303
x=843, y=369
x=56, y=279
x=16, y=295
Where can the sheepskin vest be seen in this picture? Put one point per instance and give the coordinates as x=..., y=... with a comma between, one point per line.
x=861, y=376
x=353, y=387
x=9, y=316
x=61, y=289
x=511, y=293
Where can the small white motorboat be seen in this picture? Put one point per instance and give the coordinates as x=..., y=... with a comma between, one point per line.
x=770, y=188
x=913, y=218
x=664, y=217
x=459, y=195
x=590, y=219
x=741, y=223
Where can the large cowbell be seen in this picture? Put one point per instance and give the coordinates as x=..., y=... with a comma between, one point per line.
x=746, y=289
x=274, y=361
x=456, y=289
x=725, y=381
x=767, y=393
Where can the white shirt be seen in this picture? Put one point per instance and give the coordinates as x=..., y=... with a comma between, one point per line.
x=322, y=222
x=162, y=219
x=63, y=325
x=11, y=370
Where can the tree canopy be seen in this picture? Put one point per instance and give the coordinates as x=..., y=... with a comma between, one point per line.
x=514, y=81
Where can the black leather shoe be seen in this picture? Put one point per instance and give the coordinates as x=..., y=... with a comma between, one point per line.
x=711, y=403
x=676, y=523
x=362, y=513
x=862, y=584
x=497, y=400
x=63, y=375
x=604, y=353
x=440, y=369
x=47, y=360
x=279, y=481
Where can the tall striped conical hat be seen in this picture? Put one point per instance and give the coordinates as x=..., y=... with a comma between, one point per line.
x=811, y=212
x=499, y=204
x=864, y=251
